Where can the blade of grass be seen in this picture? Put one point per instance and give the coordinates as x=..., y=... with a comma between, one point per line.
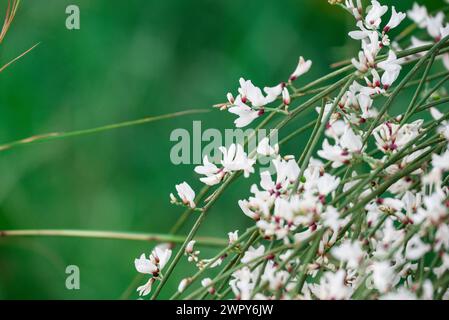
x=63, y=135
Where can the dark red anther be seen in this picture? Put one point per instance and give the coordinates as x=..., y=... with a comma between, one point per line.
x=270, y=256
x=322, y=199
x=261, y=112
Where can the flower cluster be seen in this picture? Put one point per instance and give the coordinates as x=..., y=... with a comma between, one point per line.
x=364, y=212
x=152, y=266
x=251, y=102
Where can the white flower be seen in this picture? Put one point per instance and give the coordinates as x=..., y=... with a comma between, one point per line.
x=374, y=17
x=419, y=15
x=416, y=248
x=360, y=34
x=243, y=283
x=335, y=153
x=189, y=247
x=444, y=31
x=362, y=63
x=349, y=252
x=230, y=98
x=302, y=68
x=434, y=25
x=356, y=10
x=158, y=259
x=439, y=271
x=252, y=253
x=392, y=69
x=146, y=288
x=273, y=92
x=441, y=162
x=442, y=237
x=331, y=219
x=245, y=206
x=160, y=256
x=249, y=91
x=383, y=275
x=332, y=286
x=327, y=184
x=245, y=113
x=183, y=284
x=401, y=294
x=444, y=128
x=233, y=236
x=350, y=141
x=235, y=159
x=144, y=265
x=286, y=97
x=213, y=174
x=186, y=193
x=264, y=148
x=395, y=20
x=287, y=170
x=435, y=209
x=206, y=282
x=392, y=137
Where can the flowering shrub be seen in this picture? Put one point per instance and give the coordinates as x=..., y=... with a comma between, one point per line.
x=363, y=212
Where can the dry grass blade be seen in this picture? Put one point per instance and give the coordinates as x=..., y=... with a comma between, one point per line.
x=11, y=11
x=17, y=58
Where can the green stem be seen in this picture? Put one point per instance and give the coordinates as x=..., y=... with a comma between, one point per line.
x=62, y=135
x=96, y=234
x=412, y=106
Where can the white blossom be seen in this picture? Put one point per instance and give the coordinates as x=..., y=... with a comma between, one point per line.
x=302, y=68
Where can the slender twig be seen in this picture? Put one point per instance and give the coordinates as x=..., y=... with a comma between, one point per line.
x=63, y=135
x=113, y=235
x=17, y=58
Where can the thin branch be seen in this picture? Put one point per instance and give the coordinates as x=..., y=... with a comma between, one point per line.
x=18, y=57
x=62, y=135
x=96, y=234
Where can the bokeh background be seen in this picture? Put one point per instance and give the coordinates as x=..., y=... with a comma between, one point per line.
x=132, y=59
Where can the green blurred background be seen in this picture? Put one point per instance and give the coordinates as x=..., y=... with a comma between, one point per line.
x=132, y=59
